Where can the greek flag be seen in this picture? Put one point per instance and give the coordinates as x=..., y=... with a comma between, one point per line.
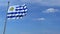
x=17, y=11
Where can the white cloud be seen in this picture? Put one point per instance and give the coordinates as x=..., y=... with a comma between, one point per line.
x=44, y=2
x=25, y=33
x=50, y=32
x=42, y=32
x=40, y=19
x=31, y=1
x=40, y=2
x=50, y=10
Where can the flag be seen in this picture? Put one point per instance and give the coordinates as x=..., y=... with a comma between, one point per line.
x=16, y=12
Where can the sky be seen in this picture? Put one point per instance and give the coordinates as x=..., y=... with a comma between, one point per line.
x=43, y=17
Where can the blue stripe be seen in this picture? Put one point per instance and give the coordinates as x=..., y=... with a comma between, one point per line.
x=15, y=16
x=20, y=9
x=20, y=6
x=16, y=12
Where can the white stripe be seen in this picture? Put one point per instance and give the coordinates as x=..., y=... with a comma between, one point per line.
x=21, y=7
x=23, y=14
x=15, y=14
x=17, y=11
x=9, y=18
x=22, y=11
x=11, y=11
x=17, y=17
x=20, y=14
x=21, y=17
x=18, y=8
x=25, y=6
x=9, y=15
x=25, y=9
x=12, y=18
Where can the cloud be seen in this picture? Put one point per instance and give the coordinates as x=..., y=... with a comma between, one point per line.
x=40, y=2
x=25, y=33
x=42, y=32
x=50, y=32
x=44, y=2
x=50, y=10
x=31, y=1
x=40, y=19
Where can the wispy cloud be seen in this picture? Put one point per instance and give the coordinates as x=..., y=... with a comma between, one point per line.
x=25, y=32
x=42, y=32
x=40, y=2
x=50, y=10
x=44, y=2
x=39, y=19
x=50, y=32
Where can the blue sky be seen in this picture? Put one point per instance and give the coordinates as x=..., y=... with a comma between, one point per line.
x=43, y=17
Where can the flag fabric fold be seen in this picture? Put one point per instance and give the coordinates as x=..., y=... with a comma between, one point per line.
x=16, y=12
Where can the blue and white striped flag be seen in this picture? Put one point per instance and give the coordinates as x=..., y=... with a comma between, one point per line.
x=17, y=11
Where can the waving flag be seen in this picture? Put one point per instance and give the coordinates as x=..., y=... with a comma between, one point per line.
x=17, y=11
